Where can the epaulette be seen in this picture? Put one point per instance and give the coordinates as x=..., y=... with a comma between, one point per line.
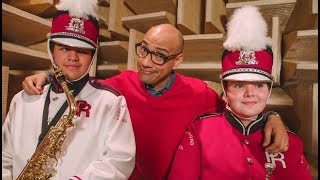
x=206, y=115
x=291, y=132
x=94, y=82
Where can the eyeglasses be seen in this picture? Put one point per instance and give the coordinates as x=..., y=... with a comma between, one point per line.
x=156, y=58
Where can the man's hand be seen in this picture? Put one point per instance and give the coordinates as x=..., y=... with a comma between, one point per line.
x=32, y=85
x=275, y=129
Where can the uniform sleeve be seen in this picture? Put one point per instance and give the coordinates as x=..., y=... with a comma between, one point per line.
x=186, y=161
x=117, y=161
x=302, y=170
x=7, y=149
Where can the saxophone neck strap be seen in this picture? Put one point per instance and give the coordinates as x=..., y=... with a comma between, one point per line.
x=45, y=126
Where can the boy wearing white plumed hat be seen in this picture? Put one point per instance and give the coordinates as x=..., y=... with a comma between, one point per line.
x=229, y=145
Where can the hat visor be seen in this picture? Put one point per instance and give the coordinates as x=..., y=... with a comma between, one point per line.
x=247, y=77
x=73, y=43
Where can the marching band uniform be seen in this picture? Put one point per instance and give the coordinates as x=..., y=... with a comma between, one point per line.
x=102, y=144
x=220, y=146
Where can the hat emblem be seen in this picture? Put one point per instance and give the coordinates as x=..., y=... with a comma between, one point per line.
x=246, y=57
x=76, y=25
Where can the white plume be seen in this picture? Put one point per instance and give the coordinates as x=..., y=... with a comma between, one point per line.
x=79, y=8
x=247, y=30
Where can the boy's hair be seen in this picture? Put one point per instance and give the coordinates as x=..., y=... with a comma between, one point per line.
x=51, y=46
x=225, y=84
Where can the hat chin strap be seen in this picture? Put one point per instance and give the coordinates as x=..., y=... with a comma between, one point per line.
x=229, y=108
x=55, y=66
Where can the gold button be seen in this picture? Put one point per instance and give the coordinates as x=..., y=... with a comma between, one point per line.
x=250, y=161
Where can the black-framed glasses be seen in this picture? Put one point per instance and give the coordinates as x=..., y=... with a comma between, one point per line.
x=156, y=58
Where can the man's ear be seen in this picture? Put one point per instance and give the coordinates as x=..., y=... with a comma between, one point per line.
x=178, y=60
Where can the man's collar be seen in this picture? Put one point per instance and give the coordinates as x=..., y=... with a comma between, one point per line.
x=154, y=92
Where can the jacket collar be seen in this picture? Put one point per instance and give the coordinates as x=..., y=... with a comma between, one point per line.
x=57, y=88
x=250, y=128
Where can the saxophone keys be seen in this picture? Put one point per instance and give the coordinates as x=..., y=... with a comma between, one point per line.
x=269, y=169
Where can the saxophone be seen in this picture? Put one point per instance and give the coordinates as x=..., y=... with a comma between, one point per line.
x=37, y=167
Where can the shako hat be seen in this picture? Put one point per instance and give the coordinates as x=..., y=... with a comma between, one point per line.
x=247, y=55
x=75, y=24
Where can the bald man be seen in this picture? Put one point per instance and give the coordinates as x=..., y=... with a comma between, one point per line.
x=162, y=102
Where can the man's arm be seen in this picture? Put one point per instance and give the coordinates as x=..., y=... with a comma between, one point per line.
x=277, y=130
x=33, y=85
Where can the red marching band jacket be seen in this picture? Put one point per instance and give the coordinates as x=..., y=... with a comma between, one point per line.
x=218, y=146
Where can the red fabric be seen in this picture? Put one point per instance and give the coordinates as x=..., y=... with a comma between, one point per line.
x=159, y=122
x=61, y=21
x=223, y=151
x=263, y=57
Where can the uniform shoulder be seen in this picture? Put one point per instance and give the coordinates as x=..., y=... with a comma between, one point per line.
x=96, y=84
x=18, y=96
x=295, y=140
x=293, y=136
x=206, y=115
x=291, y=132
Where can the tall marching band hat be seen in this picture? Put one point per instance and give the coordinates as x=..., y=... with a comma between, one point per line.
x=76, y=25
x=247, y=55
